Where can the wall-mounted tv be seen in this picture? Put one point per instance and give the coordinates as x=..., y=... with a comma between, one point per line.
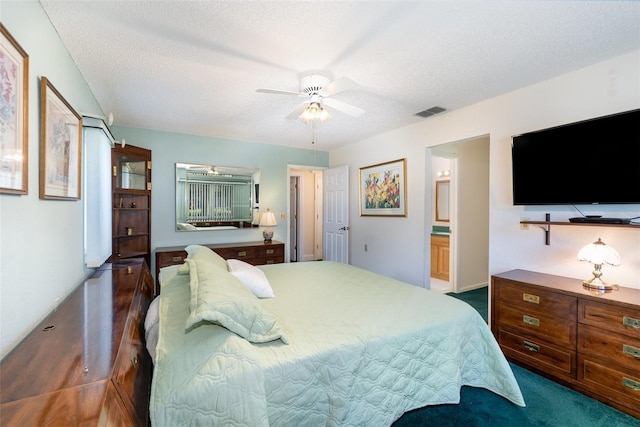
x=594, y=161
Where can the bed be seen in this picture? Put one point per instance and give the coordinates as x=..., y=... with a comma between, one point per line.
x=333, y=345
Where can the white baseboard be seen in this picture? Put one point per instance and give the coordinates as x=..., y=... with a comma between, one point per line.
x=473, y=287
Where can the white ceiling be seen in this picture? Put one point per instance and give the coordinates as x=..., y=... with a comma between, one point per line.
x=194, y=66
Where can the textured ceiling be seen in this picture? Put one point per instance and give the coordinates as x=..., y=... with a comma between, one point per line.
x=194, y=66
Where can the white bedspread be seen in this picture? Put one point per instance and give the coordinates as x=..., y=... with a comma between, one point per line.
x=364, y=349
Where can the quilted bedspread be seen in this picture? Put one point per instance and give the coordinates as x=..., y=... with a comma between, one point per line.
x=363, y=350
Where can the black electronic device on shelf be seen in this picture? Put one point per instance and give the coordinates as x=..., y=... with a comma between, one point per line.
x=590, y=219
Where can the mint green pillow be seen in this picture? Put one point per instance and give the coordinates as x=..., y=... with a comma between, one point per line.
x=219, y=297
x=204, y=254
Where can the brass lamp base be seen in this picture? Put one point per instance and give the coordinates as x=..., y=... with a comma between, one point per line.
x=597, y=283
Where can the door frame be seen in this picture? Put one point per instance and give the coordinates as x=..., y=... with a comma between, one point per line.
x=291, y=172
x=293, y=226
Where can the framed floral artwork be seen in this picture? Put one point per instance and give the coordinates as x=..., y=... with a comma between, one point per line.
x=60, y=145
x=383, y=189
x=14, y=109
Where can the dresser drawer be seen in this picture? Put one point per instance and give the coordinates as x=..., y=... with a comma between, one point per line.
x=611, y=347
x=557, y=331
x=533, y=299
x=270, y=251
x=617, y=383
x=134, y=363
x=241, y=253
x=165, y=259
x=618, y=319
x=552, y=360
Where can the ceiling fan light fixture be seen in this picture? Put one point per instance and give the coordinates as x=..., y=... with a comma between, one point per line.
x=313, y=113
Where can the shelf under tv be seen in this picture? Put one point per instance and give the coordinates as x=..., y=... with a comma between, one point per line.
x=546, y=226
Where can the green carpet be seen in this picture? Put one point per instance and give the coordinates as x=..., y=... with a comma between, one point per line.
x=548, y=403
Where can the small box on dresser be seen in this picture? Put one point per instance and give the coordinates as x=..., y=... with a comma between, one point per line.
x=587, y=341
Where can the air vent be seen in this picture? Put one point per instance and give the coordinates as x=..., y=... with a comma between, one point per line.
x=431, y=111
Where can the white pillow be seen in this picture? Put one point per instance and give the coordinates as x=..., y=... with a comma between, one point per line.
x=252, y=277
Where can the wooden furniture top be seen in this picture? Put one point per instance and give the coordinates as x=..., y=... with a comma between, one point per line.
x=570, y=286
x=77, y=345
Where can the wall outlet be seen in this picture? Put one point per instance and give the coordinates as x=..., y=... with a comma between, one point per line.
x=524, y=226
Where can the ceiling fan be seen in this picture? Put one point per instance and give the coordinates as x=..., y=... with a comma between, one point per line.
x=318, y=89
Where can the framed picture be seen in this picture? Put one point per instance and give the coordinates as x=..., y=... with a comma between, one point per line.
x=60, y=146
x=14, y=115
x=383, y=189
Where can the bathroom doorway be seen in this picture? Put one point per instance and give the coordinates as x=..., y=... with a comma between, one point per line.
x=468, y=211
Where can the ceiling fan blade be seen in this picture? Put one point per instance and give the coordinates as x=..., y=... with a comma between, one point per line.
x=343, y=107
x=280, y=92
x=337, y=86
x=298, y=110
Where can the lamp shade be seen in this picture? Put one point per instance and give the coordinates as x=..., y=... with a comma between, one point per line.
x=598, y=253
x=268, y=219
x=314, y=112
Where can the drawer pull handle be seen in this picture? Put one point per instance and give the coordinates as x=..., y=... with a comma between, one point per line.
x=531, y=298
x=134, y=360
x=630, y=321
x=269, y=261
x=631, y=351
x=531, y=346
x=634, y=385
x=531, y=320
x=269, y=251
x=242, y=253
x=176, y=259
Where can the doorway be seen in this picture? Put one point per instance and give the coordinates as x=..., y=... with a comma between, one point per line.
x=469, y=211
x=304, y=219
x=443, y=185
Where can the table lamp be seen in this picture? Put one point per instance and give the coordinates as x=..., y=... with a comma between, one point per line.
x=268, y=219
x=597, y=253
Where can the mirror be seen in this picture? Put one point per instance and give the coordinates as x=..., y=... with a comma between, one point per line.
x=442, y=201
x=212, y=197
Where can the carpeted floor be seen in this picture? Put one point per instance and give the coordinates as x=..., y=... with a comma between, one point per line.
x=548, y=403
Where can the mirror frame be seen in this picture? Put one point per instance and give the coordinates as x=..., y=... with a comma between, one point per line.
x=442, y=200
x=213, y=225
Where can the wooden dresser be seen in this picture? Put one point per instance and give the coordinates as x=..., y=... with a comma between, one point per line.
x=255, y=253
x=588, y=342
x=86, y=363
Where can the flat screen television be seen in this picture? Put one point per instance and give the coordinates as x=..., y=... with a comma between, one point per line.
x=594, y=161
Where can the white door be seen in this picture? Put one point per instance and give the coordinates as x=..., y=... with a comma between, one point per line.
x=336, y=214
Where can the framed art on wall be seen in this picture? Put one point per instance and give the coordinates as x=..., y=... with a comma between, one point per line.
x=60, y=145
x=14, y=108
x=383, y=189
